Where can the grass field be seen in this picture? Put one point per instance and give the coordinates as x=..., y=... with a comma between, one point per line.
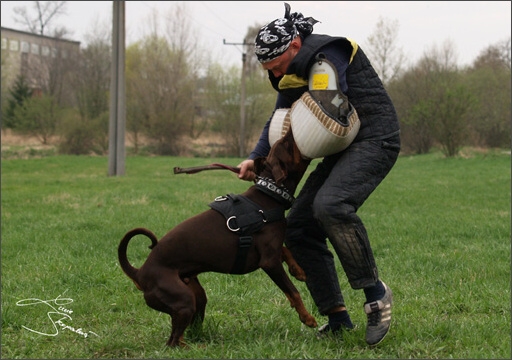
x=440, y=230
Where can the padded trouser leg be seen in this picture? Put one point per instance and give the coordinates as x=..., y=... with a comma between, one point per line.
x=350, y=241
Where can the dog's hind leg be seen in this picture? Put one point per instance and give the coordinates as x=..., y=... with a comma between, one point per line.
x=172, y=296
x=201, y=300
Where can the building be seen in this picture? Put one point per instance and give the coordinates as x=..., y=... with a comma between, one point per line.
x=43, y=60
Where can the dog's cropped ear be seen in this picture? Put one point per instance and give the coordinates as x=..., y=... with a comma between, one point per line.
x=273, y=163
x=277, y=162
x=279, y=173
x=259, y=164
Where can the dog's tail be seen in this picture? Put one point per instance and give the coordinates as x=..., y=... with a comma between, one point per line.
x=123, y=247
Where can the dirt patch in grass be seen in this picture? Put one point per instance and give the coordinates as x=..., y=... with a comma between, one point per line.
x=23, y=146
x=10, y=139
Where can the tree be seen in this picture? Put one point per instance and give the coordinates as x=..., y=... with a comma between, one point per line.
x=495, y=55
x=222, y=99
x=88, y=130
x=433, y=103
x=19, y=93
x=40, y=20
x=53, y=74
x=261, y=98
x=386, y=57
x=222, y=94
x=253, y=65
x=161, y=91
x=38, y=116
x=50, y=74
x=448, y=108
x=161, y=83
x=92, y=79
x=489, y=79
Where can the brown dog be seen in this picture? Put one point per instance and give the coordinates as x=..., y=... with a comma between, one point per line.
x=207, y=242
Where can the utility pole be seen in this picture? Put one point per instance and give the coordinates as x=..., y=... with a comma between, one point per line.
x=117, y=124
x=241, y=141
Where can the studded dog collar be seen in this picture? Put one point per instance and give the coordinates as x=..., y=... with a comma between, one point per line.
x=280, y=193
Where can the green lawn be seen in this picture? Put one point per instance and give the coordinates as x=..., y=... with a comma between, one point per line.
x=440, y=230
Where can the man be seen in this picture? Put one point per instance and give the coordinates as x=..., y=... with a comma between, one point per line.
x=326, y=206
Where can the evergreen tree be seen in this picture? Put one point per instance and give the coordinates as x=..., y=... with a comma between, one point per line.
x=19, y=93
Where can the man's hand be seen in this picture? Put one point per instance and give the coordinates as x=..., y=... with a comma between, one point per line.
x=247, y=170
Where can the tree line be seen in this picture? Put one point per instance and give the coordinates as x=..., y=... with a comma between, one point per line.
x=176, y=92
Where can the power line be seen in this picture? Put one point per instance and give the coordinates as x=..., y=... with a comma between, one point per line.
x=219, y=18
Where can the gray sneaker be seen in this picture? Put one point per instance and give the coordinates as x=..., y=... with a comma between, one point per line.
x=379, y=317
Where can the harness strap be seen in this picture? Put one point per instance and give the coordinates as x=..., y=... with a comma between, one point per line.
x=244, y=244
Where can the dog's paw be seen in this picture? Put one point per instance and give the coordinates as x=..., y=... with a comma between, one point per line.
x=309, y=321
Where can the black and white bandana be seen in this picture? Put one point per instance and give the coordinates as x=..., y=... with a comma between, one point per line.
x=274, y=38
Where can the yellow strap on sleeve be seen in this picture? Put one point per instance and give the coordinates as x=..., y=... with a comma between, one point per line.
x=354, y=49
x=292, y=81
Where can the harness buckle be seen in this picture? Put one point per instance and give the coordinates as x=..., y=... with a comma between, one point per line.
x=245, y=241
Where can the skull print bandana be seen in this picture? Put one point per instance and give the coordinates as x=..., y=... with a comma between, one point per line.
x=274, y=38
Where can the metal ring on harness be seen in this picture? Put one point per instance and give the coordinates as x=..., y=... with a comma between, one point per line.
x=229, y=227
x=263, y=215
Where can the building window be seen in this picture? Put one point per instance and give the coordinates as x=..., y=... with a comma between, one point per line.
x=45, y=50
x=4, y=43
x=64, y=54
x=34, y=49
x=14, y=45
x=54, y=52
x=25, y=46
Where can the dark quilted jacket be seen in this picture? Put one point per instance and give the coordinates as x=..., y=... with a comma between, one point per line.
x=365, y=90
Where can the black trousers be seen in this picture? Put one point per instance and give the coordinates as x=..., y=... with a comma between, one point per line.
x=326, y=207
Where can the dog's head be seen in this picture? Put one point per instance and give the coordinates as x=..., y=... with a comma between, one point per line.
x=284, y=163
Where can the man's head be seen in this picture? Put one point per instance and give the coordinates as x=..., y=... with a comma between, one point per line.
x=277, y=37
x=274, y=39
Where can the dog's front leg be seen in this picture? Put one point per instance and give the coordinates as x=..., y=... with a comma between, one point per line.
x=293, y=268
x=281, y=279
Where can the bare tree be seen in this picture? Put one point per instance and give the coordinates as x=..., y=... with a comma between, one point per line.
x=49, y=71
x=222, y=99
x=162, y=79
x=489, y=80
x=407, y=93
x=433, y=103
x=443, y=57
x=41, y=18
x=386, y=57
x=495, y=56
x=253, y=66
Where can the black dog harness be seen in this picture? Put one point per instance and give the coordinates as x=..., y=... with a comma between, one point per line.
x=244, y=217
